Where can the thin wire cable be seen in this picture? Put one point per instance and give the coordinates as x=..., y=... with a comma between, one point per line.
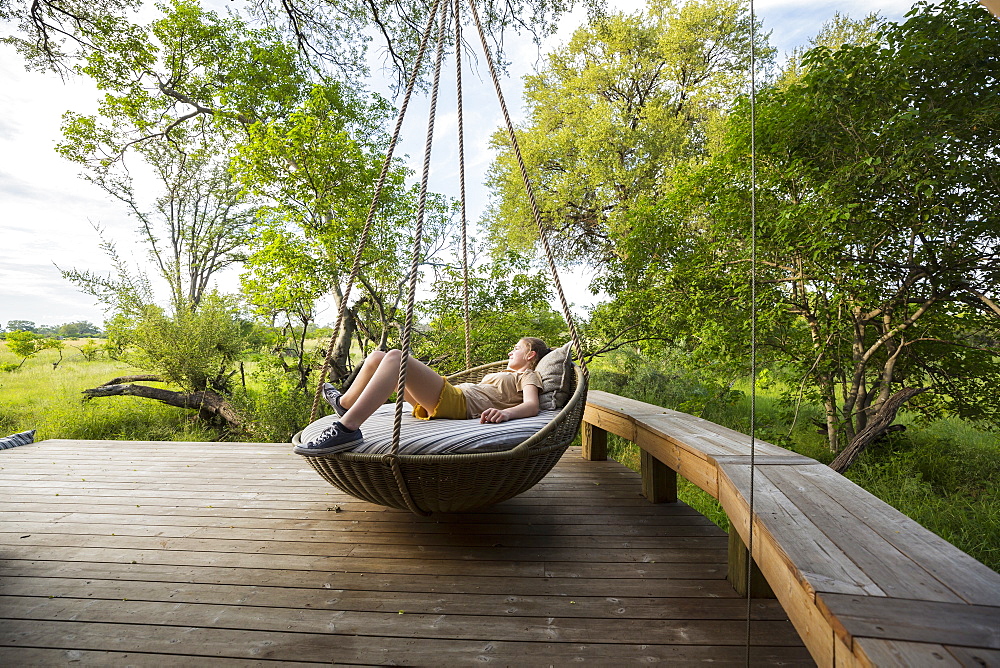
x=461, y=180
x=753, y=306
x=380, y=185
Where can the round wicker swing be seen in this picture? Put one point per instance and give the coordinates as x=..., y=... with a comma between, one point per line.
x=458, y=482
x=425, y=483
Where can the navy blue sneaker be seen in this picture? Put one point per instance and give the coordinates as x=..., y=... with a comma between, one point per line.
x=333, y=439
x=332, y=396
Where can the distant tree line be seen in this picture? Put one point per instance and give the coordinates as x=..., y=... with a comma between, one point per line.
x=79, y=329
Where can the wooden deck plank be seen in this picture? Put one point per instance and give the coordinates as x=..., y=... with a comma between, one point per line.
x=682, y=535
x=360, y=650
x=362, y=600
x=706, y=582
x=559, y=624
x=34, y=656
x=200, y=553
x=895, y=653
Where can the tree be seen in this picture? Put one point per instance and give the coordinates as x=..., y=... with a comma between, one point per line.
x=26, y=344
x=78, y=329
x=51, y=34
x=180, y=100
x=200, y=223
x=316, y=170
x=611, y=114
x=877, y=242
x=835, y=33
x=21, y=326
x=194, y=349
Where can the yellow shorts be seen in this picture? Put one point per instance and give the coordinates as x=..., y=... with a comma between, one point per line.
x=451, y=404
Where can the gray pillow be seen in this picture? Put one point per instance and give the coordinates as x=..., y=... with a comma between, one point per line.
x=556, y=371
x=15, y=440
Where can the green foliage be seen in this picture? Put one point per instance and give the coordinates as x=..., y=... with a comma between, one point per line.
x=90, y=350
x=316, y=169
x=274, y=404
x=876, y=227
x=24, y=344
x=195, y=349
x=178, y=97
x=612, y=113
x=504, y=305
x=947, y=483
x=28, y=344
x=835, y=33
x=21, y=326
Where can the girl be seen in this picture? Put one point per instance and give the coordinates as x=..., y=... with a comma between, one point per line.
x=506, y=395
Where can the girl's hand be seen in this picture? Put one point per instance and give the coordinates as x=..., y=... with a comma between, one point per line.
x=493, y=415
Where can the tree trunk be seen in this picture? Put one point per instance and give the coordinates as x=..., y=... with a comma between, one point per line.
x=879, y=424
x=211, y=407
x=342, y=348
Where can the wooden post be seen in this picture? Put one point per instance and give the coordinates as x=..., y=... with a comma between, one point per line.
x=659, y=481
x=738, y=556
x=594, y=443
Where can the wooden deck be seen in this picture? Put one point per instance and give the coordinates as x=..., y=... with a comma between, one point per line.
x=116, y=552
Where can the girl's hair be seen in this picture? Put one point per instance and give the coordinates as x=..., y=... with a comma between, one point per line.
x=539, y=347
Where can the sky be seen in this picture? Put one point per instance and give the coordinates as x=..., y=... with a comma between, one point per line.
x=48, y=214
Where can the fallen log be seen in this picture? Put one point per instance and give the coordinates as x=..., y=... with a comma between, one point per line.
x=211, y=407
x=147, y=377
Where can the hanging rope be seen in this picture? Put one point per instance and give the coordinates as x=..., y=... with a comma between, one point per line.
x=366, y=231
x=536, y=213
x=461, y=180
x=418, y=237
x=753, y=303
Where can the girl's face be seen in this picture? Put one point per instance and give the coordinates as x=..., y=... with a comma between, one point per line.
x=520, y=357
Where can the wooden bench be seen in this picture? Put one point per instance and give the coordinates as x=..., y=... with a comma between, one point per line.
x=862, y=583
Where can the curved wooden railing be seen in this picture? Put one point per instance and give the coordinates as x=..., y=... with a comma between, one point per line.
x=862, y=583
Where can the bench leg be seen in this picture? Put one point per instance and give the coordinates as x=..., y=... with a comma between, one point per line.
x=659, y=481
x=594, y=442
x=738, y=557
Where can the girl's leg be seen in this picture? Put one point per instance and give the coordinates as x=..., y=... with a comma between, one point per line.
x=368, y=368
x=423, y=386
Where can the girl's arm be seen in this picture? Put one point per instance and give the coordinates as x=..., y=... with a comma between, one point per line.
x=527, y=408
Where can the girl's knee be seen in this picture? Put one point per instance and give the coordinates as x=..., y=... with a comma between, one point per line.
x=394, y=355
x=375, y=357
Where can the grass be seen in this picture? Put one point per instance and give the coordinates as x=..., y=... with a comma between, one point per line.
x=49, y=400
x=944, y=474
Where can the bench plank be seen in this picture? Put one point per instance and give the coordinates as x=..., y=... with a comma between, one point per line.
x=821, y=564
x=913, y=620
x=969, y=579
x=895, y=573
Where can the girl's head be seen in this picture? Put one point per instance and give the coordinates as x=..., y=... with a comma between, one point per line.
x=534, y=350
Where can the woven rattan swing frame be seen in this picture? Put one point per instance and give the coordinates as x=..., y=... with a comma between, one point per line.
x=457, y=482
x=425, y=484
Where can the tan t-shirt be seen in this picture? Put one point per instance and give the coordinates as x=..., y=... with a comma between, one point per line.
x=503, y=389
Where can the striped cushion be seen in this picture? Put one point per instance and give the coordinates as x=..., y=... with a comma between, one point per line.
x=436, y=437
x=15, y=440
